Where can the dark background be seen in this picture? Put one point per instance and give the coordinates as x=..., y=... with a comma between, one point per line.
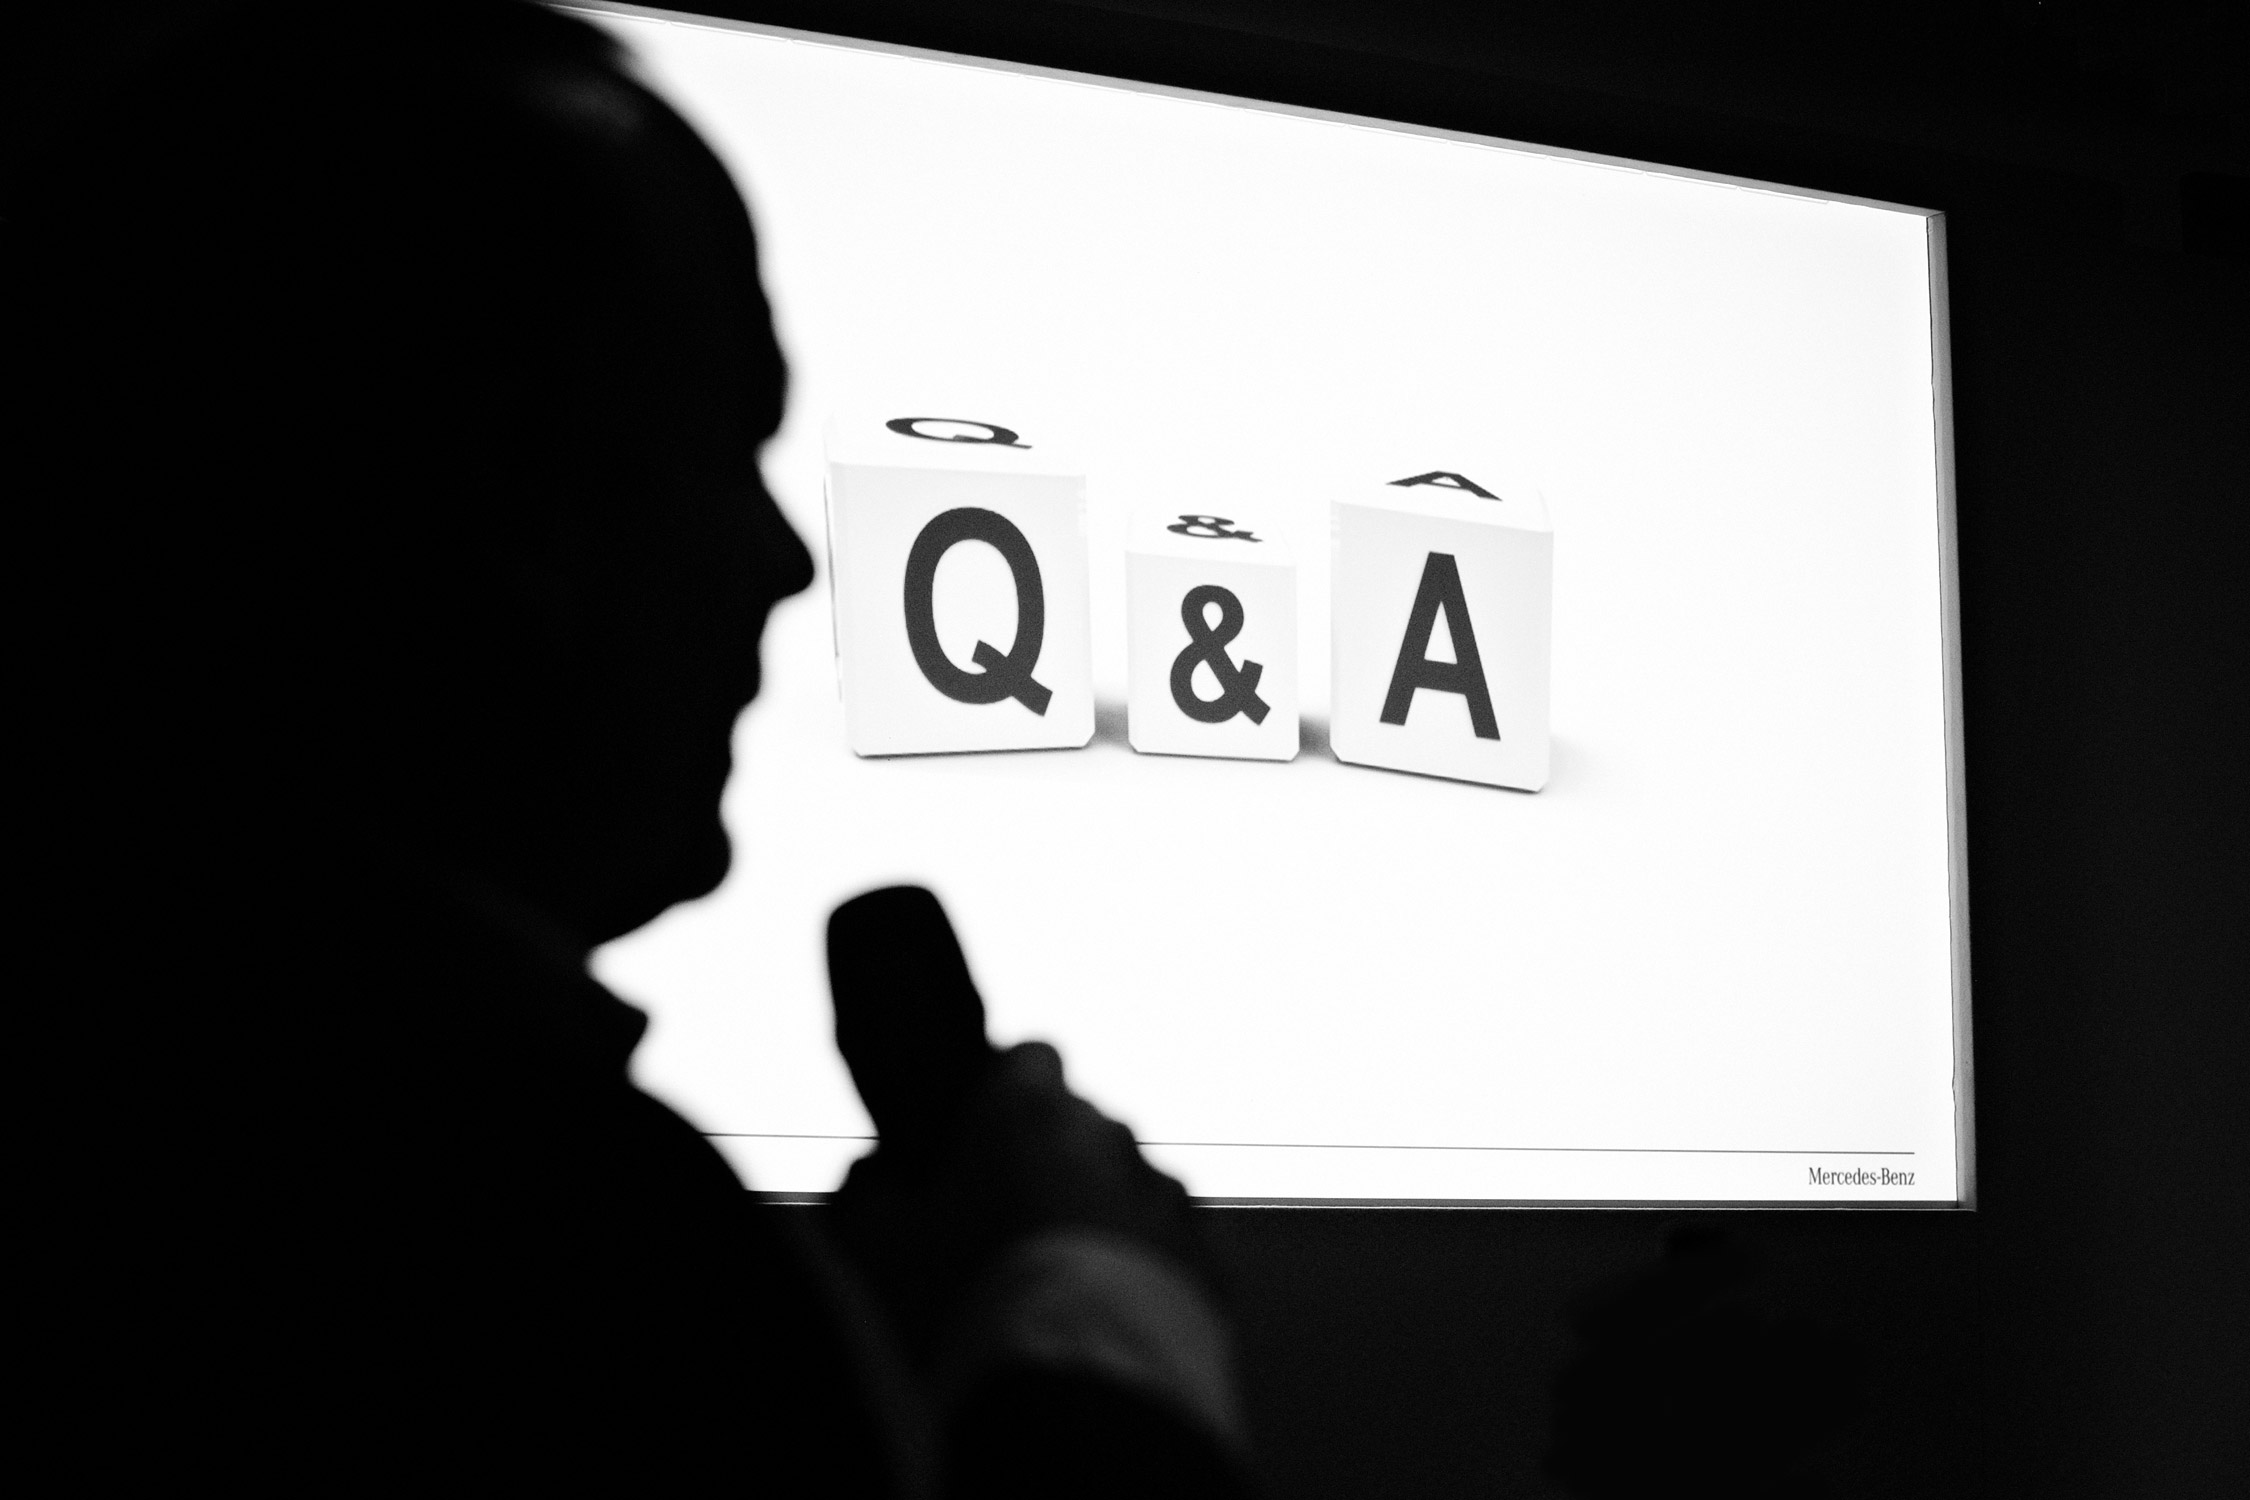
x=2080, y=1332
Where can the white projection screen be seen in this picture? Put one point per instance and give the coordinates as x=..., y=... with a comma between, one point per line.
x=1719, y=958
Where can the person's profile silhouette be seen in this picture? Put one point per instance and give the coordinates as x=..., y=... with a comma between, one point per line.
x=400, y=385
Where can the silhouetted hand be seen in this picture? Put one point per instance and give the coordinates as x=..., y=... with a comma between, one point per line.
x=1026, y=1156
x=980, y=1150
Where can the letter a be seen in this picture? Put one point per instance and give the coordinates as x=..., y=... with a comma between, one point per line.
x=1441, y=589
x=1446, y=479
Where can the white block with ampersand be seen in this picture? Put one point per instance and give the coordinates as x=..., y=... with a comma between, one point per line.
x=1211, y=636
x=957, y=564
x=1443, y=588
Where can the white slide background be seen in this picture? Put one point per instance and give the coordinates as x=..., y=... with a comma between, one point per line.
x=1712, y=955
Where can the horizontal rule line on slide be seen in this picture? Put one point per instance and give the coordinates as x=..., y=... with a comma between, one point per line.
x=777, y=1135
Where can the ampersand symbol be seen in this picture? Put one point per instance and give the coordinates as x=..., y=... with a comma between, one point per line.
x=1238, y=686
x=1211, y=528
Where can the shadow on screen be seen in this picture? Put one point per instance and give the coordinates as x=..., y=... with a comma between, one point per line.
x=1111, y=727
x=1110, y=724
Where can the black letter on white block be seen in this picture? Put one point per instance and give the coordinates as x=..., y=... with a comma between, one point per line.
x=1006, y=676
x=1445, y=479
x=1441, y=589
x=996, y=437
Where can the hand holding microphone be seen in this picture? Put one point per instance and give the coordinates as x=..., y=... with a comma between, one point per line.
x=909, y=1021
x=978, y=1149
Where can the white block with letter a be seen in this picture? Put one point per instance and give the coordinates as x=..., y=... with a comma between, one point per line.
x=957, y=564
x=1440, y=624
x=1211, y=637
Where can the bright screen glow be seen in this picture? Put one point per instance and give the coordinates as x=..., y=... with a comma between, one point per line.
x=1713, y=959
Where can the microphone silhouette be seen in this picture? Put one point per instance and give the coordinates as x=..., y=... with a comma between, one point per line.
x=909, y=1021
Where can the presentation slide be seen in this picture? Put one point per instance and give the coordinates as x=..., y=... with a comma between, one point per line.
x=1420, y=663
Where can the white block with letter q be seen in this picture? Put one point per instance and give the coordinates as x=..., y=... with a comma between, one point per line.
x=1211, y=637
x=1443, y=589
x=957, y=564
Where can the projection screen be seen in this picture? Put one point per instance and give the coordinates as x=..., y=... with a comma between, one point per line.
x=1699, y=936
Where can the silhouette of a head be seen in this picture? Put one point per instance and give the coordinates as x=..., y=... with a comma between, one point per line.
x=405, y=378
